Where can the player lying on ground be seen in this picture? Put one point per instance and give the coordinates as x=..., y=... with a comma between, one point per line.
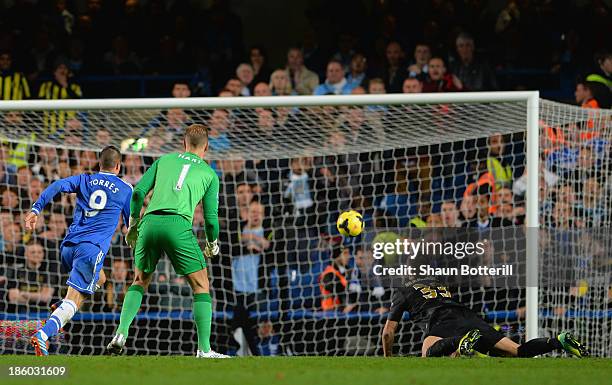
x=453, y=329
x=101, y=199
x=179, y=182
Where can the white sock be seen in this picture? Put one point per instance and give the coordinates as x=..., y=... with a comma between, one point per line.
x=65, y=312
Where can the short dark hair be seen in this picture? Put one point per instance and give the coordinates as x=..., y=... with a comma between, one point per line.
x=196, y=135
x=109, y=157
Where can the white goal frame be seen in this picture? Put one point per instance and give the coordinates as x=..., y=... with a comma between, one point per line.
x=532, y=155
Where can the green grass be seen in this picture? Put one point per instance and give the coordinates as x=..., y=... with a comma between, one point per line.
x=84, y=370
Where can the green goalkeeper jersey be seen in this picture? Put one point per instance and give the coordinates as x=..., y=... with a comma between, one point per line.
x=179, y=182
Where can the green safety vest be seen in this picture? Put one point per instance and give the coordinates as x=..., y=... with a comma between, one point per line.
x=19, y=152
x=501, y=174
x=418, y=222
x=599, y=79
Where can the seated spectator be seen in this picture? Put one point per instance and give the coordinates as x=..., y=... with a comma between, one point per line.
x=258, y=60
x=335, y=82
x=9, y=199
x=245, y=74
x=439, y=80
x=244, y=197
x=46, y=164
x=468, y=211
x=116, y=286
x=218, y=125
x=172, y=122
x=60, y=87
x=280, y=84
x=434, y=220
x=419, y=69
x=269, y=339
x=181, y=90
x=225, y=93
x=357, y=73
x=73, y=132
x=364, y=276
x=333, y=282
x=262, y=89
x=12, y=245
x=594, y=208
x=53, y=234
x=563, y=216
x=133, y=167
x=302, y=80
x=450, y=214
x=474, y=73
x=103, y=137
x=87, y=161
x=234, y=85
x=7, y=169
x=359, y=90
x=30, y=285
x=18, y=87
x=394, y=71
x=298, y=189
x=412, y=86
x=506, y=208
x=34, y=190
x=376, y=86
x=484, y=217
x=24, y=175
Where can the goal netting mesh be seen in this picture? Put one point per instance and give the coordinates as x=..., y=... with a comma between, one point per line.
x=286, y=173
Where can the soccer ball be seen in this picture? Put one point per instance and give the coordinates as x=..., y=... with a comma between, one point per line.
x=350, y=223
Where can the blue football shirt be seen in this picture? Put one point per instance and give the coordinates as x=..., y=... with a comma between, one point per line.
x=101, y=199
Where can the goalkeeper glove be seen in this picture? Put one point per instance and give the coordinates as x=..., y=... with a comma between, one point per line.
x=212, y=248
x=132, y=235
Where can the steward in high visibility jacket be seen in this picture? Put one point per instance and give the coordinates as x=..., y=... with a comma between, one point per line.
x=332, y=281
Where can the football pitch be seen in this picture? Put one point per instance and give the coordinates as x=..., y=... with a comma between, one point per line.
x=150, y=370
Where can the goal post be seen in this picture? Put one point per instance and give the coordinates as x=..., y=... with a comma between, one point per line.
x=532, y=220
x=398, y=158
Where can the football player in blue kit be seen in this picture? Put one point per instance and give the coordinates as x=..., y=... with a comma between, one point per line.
x=101, y=198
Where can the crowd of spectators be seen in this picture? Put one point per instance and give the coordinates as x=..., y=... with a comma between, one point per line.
x=280, y=250
x=469, y=40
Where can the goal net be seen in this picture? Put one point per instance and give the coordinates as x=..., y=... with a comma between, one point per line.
x=285, y=282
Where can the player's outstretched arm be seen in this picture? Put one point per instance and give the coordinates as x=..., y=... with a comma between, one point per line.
x=138, y=196
x=141, y=190
x=210, y=204
x=388, y=335
x=66, y=185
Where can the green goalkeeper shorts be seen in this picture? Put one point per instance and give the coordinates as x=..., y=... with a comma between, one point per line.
x=172, y=235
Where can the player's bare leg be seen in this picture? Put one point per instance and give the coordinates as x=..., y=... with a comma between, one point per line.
x=202, y=313
x=427, y=343
x=131, y=305
x=60, y=316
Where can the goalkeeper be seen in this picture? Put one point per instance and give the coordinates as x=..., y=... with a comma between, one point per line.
x=179, y=182
x=453, y=329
